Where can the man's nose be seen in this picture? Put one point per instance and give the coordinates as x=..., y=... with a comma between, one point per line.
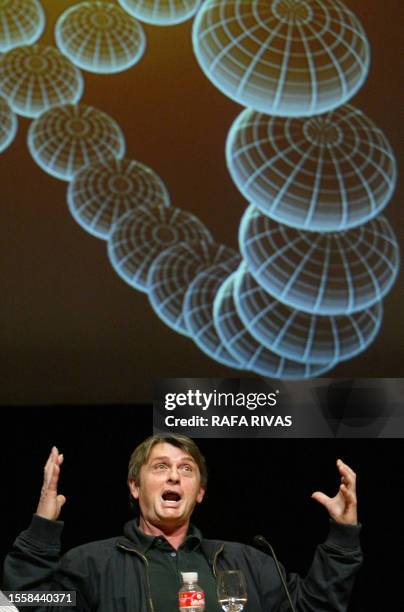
x=174, y=475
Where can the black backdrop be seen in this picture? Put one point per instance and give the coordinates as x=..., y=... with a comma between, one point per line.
x=255, y=486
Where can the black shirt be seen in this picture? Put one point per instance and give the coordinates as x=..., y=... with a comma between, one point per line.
x=166, y=565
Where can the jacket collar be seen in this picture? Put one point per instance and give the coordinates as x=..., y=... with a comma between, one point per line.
x=134, y=539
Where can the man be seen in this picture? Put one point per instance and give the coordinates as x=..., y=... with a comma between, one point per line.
x=140, y=571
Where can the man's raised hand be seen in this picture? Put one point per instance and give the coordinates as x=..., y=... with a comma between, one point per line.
x=343, y=507
x=50, y=503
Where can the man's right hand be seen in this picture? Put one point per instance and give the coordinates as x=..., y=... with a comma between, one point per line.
x=50, y=503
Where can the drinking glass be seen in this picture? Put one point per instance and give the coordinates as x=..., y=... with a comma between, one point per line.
x=231, y=590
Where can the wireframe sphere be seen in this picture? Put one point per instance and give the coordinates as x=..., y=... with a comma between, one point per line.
x=198, y=310
x=36, y=77
x=103, y=191
x=336, y=273
x=301, y=336
x=100, y=37
x=21, y=23
x=65, y=138
x=327, y=173
x=8, y=124
x=246, y=349
x=284, y=57
x=161, y=12
x=174, y=270
x=142, y=234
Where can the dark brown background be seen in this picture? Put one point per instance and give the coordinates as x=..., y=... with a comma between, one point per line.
x=71, y=331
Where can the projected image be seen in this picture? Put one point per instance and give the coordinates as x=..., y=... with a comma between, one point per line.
x=100, y=37
x=300, y=336
x=21, y=23
x=103, y=191
x=173, y=271
x=336, y=273
x=198, y=310
x=144, y=233
x=283, y=57
x=66, y=138
x=265, y=235
x=36, y=77
x=8, y=124
x=326, y=173
x=247, y=350
x=161, y=12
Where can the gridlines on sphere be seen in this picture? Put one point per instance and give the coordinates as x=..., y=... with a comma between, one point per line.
x=183, y=281
x=327, y=173
x=105, y=190
x=251, y=354
x=21, y=23
x=301, y=336
x=100, y=37
x=65, y=138
x=198, y=310
x=173, y=271
x=161, y=12
x=283, y=57
x=34, y=78
x=334, y=273
x=141, y=235
x=8, y=124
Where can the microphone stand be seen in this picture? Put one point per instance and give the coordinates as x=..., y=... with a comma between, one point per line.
x=260, y=541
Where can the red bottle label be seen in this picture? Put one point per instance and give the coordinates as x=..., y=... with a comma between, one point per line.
x=191, y=599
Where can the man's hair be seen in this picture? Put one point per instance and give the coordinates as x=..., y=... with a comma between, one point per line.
x=142, y=452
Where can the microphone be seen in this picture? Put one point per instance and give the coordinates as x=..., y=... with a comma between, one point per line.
x=260, y=541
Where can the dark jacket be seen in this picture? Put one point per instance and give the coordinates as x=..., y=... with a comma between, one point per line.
x=112, y=575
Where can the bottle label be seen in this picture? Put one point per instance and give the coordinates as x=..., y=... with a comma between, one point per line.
x=192, y=599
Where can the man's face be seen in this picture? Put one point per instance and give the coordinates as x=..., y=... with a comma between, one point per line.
x=169, y=487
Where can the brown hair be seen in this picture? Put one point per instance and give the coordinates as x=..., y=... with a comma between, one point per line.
x=141, y=454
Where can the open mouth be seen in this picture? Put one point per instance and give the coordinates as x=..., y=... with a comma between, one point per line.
x=171, y=497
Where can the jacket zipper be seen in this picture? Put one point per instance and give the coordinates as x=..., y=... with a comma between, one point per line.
x=217, y=553
x=144, y=559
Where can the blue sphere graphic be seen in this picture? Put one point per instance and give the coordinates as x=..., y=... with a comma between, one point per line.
x=174, y=270
x=250, y=353
x=36, y=77
x=289, y=58
x=100, y=37
x=336, y=273
x=161, y=12
x=8, y=124
x=325, y=174
x=103, y=191
x=145, y=232
x=65, y=138
x=198, y=310
x=301, y=336
x=21, y=23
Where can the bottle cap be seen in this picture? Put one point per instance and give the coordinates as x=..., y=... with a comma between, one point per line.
x=189, y=576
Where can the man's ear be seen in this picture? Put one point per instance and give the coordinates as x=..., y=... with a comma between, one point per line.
x=200, y=495
x=134, y=488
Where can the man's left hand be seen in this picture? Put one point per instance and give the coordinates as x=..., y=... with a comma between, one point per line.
x=343, y=507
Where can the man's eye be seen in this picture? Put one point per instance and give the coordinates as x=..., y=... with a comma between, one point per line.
x=186, y=468
x=160, y=466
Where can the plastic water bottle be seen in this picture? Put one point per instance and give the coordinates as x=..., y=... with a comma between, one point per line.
x=191, y=597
